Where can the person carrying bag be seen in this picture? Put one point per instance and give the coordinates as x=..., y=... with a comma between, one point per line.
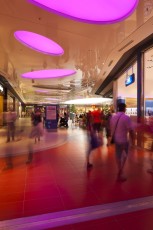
x=123, y=132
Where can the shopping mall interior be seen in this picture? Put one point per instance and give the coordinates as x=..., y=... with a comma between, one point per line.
x=64, y=60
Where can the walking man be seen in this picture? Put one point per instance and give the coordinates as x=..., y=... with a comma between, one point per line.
x=122, y=130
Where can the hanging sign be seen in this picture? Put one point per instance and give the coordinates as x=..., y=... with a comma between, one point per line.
x=130, y=79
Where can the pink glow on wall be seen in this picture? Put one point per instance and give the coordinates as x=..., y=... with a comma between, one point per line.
x=93, y=11
x=50, y=73
x=38, y=43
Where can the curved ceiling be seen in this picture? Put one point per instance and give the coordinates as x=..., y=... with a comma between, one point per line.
x=90, y=50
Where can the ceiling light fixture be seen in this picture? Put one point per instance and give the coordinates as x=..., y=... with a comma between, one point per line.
x=50, y=73
x=88, y=101
x=93, y=11
x=41, y=91
x=51, y=98
x=38, y=42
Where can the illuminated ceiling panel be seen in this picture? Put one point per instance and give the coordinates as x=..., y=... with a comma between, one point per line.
x=38, y=43
x=50, y=73
x=93, y=11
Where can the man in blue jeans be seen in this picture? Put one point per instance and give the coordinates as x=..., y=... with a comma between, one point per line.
x=123, y=131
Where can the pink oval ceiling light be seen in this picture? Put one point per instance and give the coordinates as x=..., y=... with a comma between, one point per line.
x=90, y=11
x=38, y=43
x=50, y=73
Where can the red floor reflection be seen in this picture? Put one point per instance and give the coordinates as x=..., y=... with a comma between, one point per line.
x=57, y=180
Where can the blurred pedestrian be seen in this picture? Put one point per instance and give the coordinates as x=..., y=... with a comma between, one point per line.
x=107, y=126
x=121, y=126
x=97, y=120
x=94, y=141
x=66, y=119
x=10, y=118
x=37, y=130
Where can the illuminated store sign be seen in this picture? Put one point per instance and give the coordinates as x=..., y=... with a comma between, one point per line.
x=130, y=79
x=1, y=88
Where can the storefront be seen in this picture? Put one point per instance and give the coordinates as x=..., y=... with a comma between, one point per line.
x=9, y=100
x=126, y=86
x=148, y=82
x=12, y=103
x=131, y=82
x=134, y=87
x=125, y=89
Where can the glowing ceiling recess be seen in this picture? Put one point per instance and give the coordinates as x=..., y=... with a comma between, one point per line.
x=38, y=43
x=41, y=91
x=49, y=73
x=88, y=101
x=93, y=11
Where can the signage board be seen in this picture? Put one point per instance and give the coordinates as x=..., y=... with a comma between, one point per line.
x=130, y=79
x=51, y=117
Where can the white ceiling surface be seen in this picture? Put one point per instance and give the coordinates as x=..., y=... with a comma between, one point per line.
x=89, y=49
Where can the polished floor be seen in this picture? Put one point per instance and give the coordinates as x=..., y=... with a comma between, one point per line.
x=57, y=183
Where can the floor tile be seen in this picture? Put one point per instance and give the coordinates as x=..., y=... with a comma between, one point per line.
x=58, y=180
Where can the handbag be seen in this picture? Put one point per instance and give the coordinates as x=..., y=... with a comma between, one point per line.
x=112, y=138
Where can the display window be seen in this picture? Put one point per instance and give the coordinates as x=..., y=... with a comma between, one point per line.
x=148, y=74
x=126, y=89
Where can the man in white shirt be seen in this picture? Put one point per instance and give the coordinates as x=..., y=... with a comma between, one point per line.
x=121, y=129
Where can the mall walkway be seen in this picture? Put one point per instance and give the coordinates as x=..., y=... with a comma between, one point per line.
x=56, y=191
